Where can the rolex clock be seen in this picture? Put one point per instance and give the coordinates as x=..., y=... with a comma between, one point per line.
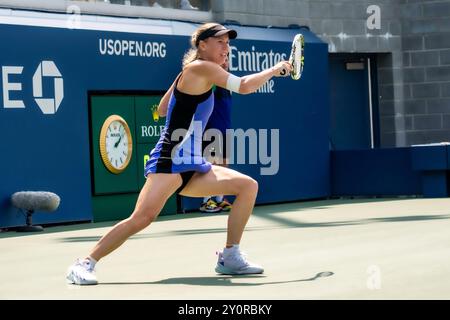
x=116, y=144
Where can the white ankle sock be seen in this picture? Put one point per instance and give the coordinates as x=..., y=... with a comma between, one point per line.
x=219, y=199
x=92, y=262
x=228, y=251
x=205, y=199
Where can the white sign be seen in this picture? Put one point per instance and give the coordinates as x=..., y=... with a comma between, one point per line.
x=48, y=105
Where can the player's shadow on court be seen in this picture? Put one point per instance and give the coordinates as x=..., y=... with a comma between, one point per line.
x=280, y=223
x=221, y=280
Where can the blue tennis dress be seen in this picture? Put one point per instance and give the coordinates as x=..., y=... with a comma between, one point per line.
x=221, y=115
x=179, y=148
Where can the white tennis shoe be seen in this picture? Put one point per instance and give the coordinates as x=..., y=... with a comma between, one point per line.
x=232, y=261
x=81, y=273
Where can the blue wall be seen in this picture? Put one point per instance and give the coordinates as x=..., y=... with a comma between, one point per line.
x=51, y=151
x=300, y=109
x=377, y=172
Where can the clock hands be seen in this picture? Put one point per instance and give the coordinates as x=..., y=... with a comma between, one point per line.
x=118, y=141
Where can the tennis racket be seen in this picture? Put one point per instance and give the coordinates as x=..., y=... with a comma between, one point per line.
x=297, y=58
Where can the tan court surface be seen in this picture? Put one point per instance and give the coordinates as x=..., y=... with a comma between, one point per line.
x=371, y=249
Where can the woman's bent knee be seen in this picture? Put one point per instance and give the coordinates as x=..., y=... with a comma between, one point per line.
x=248, y=185
x=253, y=185
x=141, y=220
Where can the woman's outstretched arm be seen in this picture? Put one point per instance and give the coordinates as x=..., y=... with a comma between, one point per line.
x=242, y=85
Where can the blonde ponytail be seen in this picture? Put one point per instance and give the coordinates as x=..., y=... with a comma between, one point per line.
x=190, y=56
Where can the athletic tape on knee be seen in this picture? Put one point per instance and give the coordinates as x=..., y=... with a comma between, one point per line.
x=233, y=83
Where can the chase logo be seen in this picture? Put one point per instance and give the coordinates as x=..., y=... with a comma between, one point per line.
x=47, y=102
x=48, y=69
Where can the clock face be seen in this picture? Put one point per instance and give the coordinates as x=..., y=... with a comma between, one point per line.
x=115, y=144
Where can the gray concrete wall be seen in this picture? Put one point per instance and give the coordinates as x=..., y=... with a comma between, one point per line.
x=426, y=69
x=341, y=23
x=415, y=81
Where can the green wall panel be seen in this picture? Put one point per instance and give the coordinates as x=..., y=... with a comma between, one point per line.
x=148, y=124
x=121, y=206
x=113, y=207
x=115, y=195
x=106, y=182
